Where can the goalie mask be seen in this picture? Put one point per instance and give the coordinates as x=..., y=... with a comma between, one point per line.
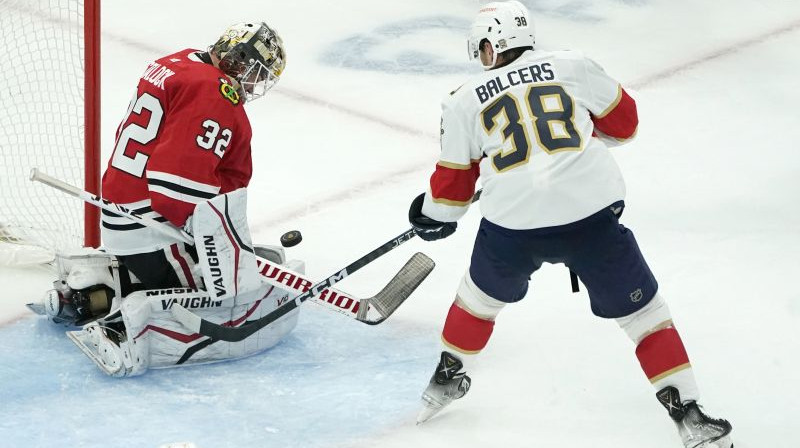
x=505, y=25
x=252, y=55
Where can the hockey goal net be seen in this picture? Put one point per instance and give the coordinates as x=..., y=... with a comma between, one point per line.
x=49, y=119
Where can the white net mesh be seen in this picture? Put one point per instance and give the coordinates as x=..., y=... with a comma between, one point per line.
x=41, y=120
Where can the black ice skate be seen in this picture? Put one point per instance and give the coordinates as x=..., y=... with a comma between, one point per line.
x=448, y=383
x=697, y=430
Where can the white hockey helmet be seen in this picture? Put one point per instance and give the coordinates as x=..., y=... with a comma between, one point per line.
x=505, y=25
x=252, y=55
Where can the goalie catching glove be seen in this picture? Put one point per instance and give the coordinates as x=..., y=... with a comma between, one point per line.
x=427, y=228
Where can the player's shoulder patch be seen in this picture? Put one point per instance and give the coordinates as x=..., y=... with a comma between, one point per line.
x=229, y=92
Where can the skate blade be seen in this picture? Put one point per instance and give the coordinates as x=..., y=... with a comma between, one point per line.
x=80, y=339
x=724, y=442
x=430, y=407
x=427, y=413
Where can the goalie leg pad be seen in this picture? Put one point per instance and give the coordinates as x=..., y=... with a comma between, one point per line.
x=85, y=267
x=224, y=246
x=151, y=338
x=150, y=324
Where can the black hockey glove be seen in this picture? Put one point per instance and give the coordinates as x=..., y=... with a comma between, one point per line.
x=427, y=228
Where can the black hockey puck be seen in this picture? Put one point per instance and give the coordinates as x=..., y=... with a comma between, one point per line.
x=291, y=238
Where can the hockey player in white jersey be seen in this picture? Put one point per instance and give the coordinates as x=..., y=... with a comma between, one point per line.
x=536, y=127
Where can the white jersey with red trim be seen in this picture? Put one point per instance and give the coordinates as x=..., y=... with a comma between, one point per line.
x=534, y=131
x=185, y=139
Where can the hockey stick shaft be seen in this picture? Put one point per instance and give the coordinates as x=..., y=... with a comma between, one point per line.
x=297, y=283
x=235, y=334
x=97, y=201
x=273, y=273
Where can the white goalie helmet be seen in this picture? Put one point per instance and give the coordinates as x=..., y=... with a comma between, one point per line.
x=252, y=55
x=505, y=25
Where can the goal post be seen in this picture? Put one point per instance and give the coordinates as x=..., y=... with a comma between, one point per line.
x=91, y=58
x=49, y=119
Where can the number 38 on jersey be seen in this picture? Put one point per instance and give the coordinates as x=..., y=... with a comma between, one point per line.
x=549, y=109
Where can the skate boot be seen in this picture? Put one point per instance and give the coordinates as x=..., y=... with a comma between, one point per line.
x=105, y=344
x=74, y=308
x=697, y=430
x=448, y=383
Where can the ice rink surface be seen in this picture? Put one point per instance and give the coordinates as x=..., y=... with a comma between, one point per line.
x=349, y=137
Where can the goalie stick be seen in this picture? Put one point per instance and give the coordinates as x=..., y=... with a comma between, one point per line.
x=273, y=273
x=104, y=204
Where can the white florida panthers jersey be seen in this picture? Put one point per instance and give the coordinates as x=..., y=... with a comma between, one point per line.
x=536, y=132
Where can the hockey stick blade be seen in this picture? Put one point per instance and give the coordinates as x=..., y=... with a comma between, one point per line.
x=399, y=288
x=230, y=334
x=382, y=304
x=412, y=276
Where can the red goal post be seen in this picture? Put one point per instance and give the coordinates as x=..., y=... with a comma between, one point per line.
x=49, y=119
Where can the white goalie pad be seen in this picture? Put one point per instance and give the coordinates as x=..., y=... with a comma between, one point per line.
x=223, y=243
x=85, y=267
x=81, y=269
x=153, y=339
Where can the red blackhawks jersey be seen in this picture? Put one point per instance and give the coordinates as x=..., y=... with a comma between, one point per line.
x=536, y=131
x=184, y=140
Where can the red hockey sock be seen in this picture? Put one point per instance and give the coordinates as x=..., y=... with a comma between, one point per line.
x=465, y=332
x=661, y=354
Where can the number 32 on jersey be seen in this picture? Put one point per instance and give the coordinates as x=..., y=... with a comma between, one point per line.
x=552, y=112
x=211, y=135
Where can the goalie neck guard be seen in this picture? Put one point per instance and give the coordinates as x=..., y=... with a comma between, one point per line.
x=252, y=55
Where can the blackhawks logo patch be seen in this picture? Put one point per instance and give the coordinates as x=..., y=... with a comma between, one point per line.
x=228, y=91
